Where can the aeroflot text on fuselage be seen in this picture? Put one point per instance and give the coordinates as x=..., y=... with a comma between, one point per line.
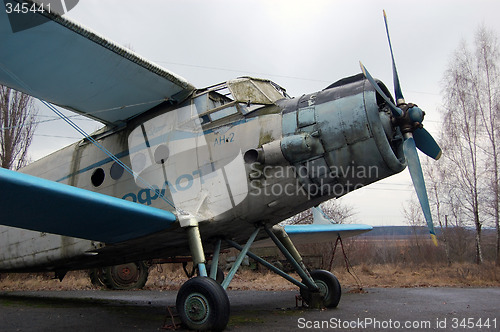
x=146, y=195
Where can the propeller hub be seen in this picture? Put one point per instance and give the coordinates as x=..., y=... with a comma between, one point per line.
x=416, y=114
x=410, y=119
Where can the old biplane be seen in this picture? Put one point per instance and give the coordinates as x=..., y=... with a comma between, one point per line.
x=178, y=170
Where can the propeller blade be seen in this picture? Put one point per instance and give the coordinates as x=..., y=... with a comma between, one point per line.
x=417, y=178
x=426, y=143
x=395, y=110
x=397, y=86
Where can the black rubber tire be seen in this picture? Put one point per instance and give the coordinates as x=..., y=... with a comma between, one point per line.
x=126, y=276
x=202, y=304
x=329, y=286
x=96, y=277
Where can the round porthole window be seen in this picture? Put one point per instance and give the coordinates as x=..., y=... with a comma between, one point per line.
x=116, y=171
x=97, y=177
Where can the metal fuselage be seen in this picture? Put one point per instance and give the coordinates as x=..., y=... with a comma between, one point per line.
x=233, y=155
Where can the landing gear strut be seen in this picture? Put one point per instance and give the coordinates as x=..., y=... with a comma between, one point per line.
x=202, y=303
x=318, y=288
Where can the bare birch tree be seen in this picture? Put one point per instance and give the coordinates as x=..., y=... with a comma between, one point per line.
x=462, y=126
x=435, y=176
x=17, y=119
x=487, y=94
x=414, y=217
x=471, y=131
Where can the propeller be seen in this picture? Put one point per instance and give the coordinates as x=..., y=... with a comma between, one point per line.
x=408, y=117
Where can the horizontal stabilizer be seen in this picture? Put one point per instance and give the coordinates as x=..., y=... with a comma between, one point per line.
x=71, y=66
x=37, y=204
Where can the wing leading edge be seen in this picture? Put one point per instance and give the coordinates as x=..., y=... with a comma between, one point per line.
x=323, y=229
x=73, y=67
x=41, y=205
x=317, y=233
x=302, y=234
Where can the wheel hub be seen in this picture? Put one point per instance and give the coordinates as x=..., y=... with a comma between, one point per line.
x=323, y=288
x=126, y=273
x=197, y=308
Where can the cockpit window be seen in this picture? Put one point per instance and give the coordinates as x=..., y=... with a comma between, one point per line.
x=242, y=95
x=254, y=91
x=227, y=111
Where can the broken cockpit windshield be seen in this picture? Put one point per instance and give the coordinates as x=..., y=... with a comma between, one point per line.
x=240, y=96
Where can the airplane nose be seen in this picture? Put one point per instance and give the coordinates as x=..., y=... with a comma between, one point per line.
x=338, y=139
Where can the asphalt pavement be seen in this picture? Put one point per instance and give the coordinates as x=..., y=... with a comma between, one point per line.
x=376, y=309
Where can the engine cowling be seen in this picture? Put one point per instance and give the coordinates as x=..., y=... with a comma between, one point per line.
x=341, y=137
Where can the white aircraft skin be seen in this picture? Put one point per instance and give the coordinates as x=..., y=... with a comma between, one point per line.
x=261, y=199
x=183, y=171
x=75, y=164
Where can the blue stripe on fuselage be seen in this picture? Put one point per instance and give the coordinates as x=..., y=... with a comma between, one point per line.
x=152, y=142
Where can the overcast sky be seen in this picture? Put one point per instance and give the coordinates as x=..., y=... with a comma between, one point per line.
x=301, y=45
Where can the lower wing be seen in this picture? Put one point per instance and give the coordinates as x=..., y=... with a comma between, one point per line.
x=323, y=229
x=302, y=234
x=37, y=204
x=314, y=233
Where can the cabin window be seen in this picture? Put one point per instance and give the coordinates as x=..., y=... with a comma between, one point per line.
x=97, y=177
x=116, y=171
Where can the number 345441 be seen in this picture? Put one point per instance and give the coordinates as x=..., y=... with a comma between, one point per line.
x=25, y=8
x=472, y=323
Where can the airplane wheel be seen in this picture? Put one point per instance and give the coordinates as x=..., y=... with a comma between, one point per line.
x=126, y=276
x=203, y=304
x=96, y=277
x=329, y=288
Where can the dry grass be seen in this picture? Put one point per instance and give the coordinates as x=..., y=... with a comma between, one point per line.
x=45, y=281
x=171, y=277
x=377, y=262
x=393, y=275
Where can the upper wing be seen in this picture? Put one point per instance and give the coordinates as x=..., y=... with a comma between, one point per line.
x=69, y=65
x=41, y=205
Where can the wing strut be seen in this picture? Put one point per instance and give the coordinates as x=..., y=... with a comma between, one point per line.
x=92, y=140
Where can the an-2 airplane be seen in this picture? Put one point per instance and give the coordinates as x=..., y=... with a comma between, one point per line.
x=213, y=168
